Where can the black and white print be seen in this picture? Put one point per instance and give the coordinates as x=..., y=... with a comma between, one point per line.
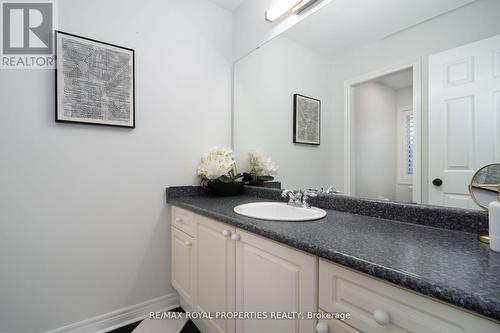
x=306, y=120
x=95, y=82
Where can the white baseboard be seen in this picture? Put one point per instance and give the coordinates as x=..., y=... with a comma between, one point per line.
x=121, y=317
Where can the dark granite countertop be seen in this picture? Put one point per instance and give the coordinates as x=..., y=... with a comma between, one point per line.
x=449, y=265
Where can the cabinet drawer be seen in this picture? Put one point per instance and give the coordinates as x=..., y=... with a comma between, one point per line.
x=378, y=306
x=334, y=326
x=183, y=220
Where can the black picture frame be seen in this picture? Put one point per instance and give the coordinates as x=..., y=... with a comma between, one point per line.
x=298, y=136
x=60, y=85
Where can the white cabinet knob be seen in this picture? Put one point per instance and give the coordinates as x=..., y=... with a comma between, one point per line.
x=322, y=327
x=381, y=317
x=188, y=243
x=226, y=233
x=235, y=237
x=178, y=219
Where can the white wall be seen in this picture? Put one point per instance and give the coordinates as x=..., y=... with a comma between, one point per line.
x=470, y=23
x=84, y=224
x=375, y=140
x=251, y=30
x=265, y=82
x=404, y=97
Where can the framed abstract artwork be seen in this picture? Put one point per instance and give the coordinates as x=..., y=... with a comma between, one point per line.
x=95, y=82
x=306, y=120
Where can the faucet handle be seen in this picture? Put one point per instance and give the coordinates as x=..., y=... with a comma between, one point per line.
x=313, y=192
x=306, y=195
x=299, y=198
x=333, y=190
x=291, y=195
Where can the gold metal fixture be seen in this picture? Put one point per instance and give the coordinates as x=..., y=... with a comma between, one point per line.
x=484, y=239
x=472, y=184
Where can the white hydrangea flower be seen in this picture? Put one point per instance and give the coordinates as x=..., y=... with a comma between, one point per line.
x=215, y=163
x=269, y=168
x=255, y=161
x=260, y=165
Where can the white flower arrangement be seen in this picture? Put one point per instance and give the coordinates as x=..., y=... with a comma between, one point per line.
x=261, y=168
x=218, y=164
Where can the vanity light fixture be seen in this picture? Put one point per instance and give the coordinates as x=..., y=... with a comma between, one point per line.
x=302, y=5
x=287, y=7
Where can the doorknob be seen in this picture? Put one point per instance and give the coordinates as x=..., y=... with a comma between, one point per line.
x=437, y=182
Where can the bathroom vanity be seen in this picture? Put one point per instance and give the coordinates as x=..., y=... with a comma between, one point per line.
x=390, y=276
x=218, y=267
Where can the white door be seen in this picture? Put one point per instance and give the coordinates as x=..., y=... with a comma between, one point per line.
x=272, y=277
x=183, y=248
x=464, y=118
x=214, y=273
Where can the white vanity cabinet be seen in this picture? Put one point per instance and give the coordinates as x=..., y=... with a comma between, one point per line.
x=379, y=307
x=224, y=269
x=219, y=268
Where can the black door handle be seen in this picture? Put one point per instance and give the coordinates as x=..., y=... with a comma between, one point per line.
x=437, y=182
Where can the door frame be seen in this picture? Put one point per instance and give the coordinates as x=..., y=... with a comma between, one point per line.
x=349, y=85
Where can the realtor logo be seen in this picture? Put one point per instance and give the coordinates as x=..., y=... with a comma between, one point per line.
x=27, y=34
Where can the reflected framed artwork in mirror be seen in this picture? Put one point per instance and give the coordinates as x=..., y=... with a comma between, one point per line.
x=306, y=120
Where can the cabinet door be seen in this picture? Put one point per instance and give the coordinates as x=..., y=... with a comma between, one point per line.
x=214, y=272
x=183, y=248
x=273, y=277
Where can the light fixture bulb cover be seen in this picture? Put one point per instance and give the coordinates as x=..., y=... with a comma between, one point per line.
x=302, y=5
x=280, y=9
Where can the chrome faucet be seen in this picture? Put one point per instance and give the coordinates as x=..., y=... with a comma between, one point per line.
x=332, y=190
x=306, y=195
x=292, y=197
x=299, y=198
x=329, y=190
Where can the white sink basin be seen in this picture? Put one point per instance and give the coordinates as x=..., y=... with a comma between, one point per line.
x=279, y=211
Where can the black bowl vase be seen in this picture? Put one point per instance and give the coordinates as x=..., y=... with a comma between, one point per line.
x=225, y=189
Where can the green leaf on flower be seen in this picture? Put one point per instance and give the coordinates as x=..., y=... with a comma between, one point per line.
x=264, y=178
x=225, y=179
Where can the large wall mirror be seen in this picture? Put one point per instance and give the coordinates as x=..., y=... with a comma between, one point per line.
x=400, y=105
